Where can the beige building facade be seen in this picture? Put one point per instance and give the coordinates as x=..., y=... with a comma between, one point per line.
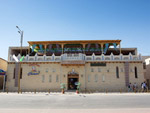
x=3, y=66
x=146, y=60
x=98, y=65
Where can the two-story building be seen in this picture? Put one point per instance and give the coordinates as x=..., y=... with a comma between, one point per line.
x=97, y=64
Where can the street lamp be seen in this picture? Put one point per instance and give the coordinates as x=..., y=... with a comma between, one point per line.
x=21, y=40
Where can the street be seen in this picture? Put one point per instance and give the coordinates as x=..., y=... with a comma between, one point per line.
x=71, y=102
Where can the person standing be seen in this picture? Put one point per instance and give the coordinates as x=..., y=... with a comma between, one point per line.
x=142, y=86
x=135, y=87
x=129, y=87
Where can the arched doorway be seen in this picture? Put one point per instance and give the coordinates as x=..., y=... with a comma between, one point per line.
x=73, y=79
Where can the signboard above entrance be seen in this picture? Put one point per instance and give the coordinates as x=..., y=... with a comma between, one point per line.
x=98, y=64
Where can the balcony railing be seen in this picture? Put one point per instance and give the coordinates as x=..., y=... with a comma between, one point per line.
x=77, y=57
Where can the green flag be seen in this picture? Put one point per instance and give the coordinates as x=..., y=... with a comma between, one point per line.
x=21, y=59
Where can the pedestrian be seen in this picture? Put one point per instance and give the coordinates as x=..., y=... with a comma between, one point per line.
x=135, y=87
x=129, y=87
x=145, y=87
x=142, y=86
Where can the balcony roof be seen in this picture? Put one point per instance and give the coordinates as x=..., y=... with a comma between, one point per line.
x=74, y=42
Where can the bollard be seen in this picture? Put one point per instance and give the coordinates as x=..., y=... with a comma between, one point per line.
x=21, y=91
x=7, y=90
x=35, y=91
x=49, y=91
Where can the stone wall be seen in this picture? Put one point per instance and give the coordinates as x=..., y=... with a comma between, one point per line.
x=92, y=78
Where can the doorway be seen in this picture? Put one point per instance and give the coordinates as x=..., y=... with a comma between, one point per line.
x=72, y=81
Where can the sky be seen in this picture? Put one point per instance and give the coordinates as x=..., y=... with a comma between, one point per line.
x=46, y=20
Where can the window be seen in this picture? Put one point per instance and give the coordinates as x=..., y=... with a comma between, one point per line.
x=131, y=70
x=144, y=65
x=135, y=71
x=121, y=69
x=14, y=73
x=107, y=70
x=99, y=69
x=88, y=78
x=117, y=72
x=96, y=78
x=46, y=70
x=18, y=73
x=103, y=78
x=53, y=70
x=50, y=78
x=43, y=78
x=57, y=78
x=92, y=70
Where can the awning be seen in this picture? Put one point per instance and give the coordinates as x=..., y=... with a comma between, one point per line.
x=2, y=72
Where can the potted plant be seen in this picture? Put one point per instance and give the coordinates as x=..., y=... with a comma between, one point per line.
x=62, y=87
x=78, y=87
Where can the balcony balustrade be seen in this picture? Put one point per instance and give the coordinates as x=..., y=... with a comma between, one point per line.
x=78, y=57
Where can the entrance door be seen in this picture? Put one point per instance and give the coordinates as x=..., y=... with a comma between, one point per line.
x=1, y=82
x=72, y=82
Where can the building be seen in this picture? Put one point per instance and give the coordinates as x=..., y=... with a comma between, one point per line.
x=3, y=68
x=97, y=64
x=146, y=60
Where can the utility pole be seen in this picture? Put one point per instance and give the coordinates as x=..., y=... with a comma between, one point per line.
x=21, y=41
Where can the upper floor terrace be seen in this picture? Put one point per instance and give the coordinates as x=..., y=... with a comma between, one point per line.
x=84, y=50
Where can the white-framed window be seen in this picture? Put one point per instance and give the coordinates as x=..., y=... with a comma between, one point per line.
x=50, y=78
x=43, y=78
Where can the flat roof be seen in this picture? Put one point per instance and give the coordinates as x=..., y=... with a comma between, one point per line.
x=74, y=42
x=3, y=59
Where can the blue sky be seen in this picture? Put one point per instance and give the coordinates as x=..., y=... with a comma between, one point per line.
x=45, y=20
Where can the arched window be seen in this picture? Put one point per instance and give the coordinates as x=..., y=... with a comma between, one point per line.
x=135, y=70
x=20, y=73
x=117, y=72
x=14, y=73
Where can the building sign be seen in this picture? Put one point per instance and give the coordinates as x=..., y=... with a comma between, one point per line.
x=98, y=64
x=34, y=70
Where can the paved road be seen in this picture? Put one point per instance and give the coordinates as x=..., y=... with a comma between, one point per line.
x=69, y=101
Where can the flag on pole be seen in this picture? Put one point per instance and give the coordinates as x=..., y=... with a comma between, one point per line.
x=21, y=59
x=15, y=58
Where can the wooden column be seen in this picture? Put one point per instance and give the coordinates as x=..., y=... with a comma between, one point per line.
x=84, y=48
x=45, y=46
x=29, y=49
x=62, y=46
x=102, y=47
x=120, y=47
